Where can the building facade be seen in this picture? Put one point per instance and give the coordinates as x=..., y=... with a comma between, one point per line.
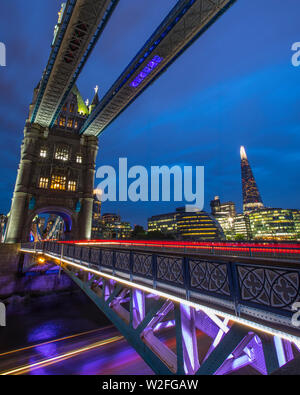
x=110, y=226
x=97, y=222
x=241, y=227
x=165, y=223
x=251, y=196
x=275, y=224
x=224, y=213
x=114, y=228
x=197, y=226
x=56, y=173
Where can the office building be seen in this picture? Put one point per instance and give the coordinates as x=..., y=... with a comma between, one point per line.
x=193, y=226
x=275, y=224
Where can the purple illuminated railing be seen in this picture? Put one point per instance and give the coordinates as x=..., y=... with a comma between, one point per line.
x=238, y=285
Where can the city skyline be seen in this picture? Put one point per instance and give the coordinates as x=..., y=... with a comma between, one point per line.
x=233, y=99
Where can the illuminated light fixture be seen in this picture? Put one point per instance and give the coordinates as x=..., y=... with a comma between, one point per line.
x=41, y=260
x=146, y=71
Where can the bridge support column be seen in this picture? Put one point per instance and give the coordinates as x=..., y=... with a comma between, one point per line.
x=85, y=219
x=138, y=313
x=186, y=337
x=270, y=353
x=20, y=201
x=86, y=214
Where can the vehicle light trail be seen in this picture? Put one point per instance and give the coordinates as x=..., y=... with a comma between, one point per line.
x=54, y=341
x=292, y=248
x=60, y=358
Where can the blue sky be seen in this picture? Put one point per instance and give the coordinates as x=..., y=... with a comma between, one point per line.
x=235, y=86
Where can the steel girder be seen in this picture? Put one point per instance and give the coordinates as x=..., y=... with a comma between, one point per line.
x=82, y=25
x=184, y=24
x=257, y=294
x=141, y=317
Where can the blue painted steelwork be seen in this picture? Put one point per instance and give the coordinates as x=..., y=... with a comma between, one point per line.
x=248, y=288
x=175, y=16
x=59, y=39
x=139, y=315
x=113, y=4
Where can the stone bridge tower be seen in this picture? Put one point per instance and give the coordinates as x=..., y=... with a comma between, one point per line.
x=56, y=173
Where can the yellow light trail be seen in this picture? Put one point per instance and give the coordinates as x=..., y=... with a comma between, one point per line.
x=54, y=341
x=60, y=358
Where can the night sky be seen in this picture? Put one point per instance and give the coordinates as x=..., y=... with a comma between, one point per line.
x=235, y=86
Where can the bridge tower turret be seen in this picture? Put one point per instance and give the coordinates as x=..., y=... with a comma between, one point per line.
x=56, y=173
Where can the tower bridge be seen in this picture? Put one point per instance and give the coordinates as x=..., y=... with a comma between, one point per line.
x=57, y=167
x=81, y=25
x=186, y=22
x=244, y=306
x=56, y=174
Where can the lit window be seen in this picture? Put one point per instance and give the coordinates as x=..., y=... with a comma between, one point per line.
x=72, y=107
x=72, y=186
x=62, y=153
x=65, y=107
x=44, y=182
x=43, y=153
x=79, y=159
x=70, y=123
x=76, y=125
x=58, y=182
x=62, y=121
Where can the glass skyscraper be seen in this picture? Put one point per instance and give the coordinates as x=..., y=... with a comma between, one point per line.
x=251, y=196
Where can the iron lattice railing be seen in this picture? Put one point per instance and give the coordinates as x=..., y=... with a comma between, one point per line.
x=264, y=291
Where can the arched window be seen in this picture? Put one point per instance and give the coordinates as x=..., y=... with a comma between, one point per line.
x=62, y=152
x=44, y=182
x=58, y=182
x=72, y=186
x=43, y=152
x=62, y=121
x=70, y=123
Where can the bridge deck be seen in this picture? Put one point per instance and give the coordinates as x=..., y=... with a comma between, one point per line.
x=255, y=293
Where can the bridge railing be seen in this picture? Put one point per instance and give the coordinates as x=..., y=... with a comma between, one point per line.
x=288, y=251
x=262, y=291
